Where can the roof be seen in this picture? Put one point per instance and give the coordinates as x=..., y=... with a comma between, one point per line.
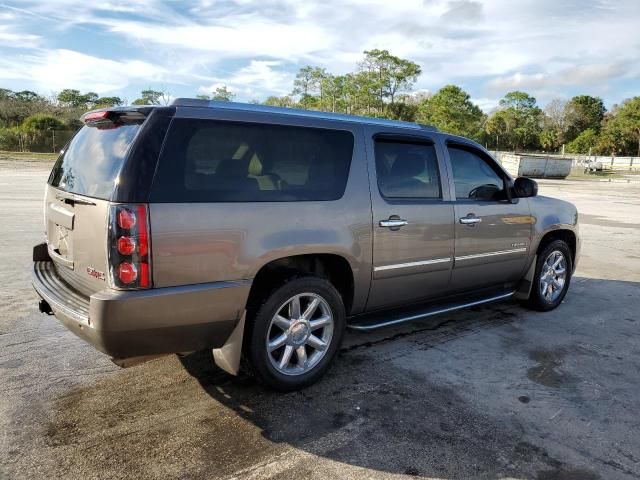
x=251, y=107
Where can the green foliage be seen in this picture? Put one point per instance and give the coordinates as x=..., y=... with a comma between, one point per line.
x=152, y=97
x=583, y=112
x=104, y=102
x=621, y=129
x=10, y=139
x=380, y=86
x=518, y=122
x=221, y=94
x=583, y=143
x=452, y=111
x=42, y=123
x=73, y=98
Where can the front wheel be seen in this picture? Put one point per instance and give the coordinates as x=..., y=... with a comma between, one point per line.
x=552, y=277
x=294, y=335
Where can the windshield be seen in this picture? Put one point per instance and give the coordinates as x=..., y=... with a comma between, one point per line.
x=91, y=162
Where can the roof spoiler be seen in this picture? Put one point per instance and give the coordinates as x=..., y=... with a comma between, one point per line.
x=116, y=116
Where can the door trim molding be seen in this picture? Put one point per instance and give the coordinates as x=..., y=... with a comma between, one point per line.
x=411, y=264
x=491, y=254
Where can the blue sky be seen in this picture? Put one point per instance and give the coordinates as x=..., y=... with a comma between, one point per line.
x=549, y=48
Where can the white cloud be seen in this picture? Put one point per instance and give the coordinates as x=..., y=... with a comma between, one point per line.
x=255, y=46
x=578, y=75
x=9, y=37
x=58, y=69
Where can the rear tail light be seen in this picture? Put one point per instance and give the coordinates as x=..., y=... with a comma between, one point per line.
x=129, y=252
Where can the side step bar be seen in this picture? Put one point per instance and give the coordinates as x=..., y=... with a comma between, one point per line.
x=387, y=319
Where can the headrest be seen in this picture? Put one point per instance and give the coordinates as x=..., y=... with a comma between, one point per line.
x=255, y=166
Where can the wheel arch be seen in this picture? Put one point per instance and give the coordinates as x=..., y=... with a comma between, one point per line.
x=333, y=267
x=564, y=234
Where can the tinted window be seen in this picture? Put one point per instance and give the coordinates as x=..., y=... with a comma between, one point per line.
x=407, y=170
x=91, y=162
x=473, y=176
x=210, y=161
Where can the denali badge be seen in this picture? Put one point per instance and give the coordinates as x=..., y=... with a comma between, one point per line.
x=519, y=244
x=95, y=273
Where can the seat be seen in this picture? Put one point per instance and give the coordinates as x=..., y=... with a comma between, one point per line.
x=232, y=176
x=266, y=181
x=401, y=181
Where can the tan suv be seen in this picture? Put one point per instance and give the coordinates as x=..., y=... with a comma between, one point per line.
x=264, y=232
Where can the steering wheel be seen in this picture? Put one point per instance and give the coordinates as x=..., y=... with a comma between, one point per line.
x=473, y=193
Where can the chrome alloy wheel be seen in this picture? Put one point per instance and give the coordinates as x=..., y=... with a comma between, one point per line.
x=553, y=276
x=299, y=334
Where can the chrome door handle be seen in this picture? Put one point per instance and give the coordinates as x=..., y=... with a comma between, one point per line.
x=471, y=221
x=393, y=223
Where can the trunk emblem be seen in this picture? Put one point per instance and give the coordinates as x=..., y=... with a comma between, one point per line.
x=96, y=273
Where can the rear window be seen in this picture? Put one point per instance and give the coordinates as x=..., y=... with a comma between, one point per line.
x=212, y=161
x=91, y=162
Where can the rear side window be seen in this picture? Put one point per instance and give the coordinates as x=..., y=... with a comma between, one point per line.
x=92, y=161
x=407, y=170
x=212, y=161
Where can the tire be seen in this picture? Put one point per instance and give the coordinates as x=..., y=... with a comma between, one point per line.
x=307, y=359
x=550, y=299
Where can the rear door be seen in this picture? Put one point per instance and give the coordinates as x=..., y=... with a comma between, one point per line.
x=77, y=198
x=412, y=219
x=492, y=233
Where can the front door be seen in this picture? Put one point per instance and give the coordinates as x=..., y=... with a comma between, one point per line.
x=412, y=221
x=492, y=234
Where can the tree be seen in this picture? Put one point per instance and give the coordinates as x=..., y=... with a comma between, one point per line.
x=583, y=112
x=285, y=101
x=521, y=118
x=451, y=110
x=628, y=120
x=554, y=125
x=303, y=86
x=27, y=96
x=583, y=143
x=498, y=127
x=42, y=123
x=152, y=97
x=104, y=102
x=391, y=74
x=222, y=94
x=73, y=98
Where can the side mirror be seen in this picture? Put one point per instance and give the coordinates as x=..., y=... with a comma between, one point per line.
x=525, y=187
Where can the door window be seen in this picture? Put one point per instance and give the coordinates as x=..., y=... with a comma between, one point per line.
x=407, y=170
x=473, y=176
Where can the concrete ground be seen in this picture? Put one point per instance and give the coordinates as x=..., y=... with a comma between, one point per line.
x=494, y=392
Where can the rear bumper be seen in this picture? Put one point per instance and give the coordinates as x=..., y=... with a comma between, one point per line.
x=126, y=324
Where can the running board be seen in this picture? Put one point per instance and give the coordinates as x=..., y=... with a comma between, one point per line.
x=376, y=320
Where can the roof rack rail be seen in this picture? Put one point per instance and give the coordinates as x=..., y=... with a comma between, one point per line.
x=252, y=107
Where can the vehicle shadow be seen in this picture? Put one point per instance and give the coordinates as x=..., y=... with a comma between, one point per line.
x=381, y=407
x=369, y=413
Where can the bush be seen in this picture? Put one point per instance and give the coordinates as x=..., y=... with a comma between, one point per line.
x=9, y=139
x=584, y=142
x=41, y=123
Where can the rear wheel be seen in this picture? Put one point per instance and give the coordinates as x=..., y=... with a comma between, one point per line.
x=552, y=277
x=294, y=335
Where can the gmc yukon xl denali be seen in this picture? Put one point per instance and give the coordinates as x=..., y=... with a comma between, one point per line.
x=262, y=233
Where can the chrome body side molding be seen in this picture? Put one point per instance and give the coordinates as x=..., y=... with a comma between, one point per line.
x=412, y=264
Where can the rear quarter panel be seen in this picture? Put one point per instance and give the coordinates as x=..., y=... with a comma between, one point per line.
x=208, y=242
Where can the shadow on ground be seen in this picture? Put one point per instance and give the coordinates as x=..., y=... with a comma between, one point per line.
x=159, y=421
